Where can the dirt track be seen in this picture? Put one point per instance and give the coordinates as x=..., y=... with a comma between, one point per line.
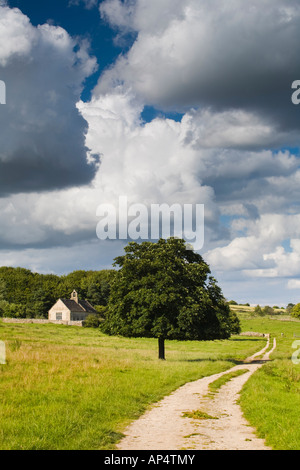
x=163, y=427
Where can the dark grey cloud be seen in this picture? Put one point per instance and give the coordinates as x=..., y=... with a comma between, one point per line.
x=232, y=62
x=54, y=159
x=222, y=55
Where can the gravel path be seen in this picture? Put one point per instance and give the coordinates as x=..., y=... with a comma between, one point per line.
x=163, y=427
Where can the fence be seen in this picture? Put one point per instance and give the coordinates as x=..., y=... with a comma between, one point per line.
x=40, y=321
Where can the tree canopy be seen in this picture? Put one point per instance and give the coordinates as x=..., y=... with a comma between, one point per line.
x=295, y=311
x=25, y=294
x=165, y=290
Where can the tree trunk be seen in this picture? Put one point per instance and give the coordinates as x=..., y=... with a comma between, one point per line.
x=161, y=348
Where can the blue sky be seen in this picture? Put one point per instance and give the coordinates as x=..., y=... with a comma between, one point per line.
x=168, y=101
x=84, y=21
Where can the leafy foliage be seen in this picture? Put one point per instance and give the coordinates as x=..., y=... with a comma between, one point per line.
x=27, y=294
x=289, y=307
x=164, y=290
x=92, y=321
x=295, y=312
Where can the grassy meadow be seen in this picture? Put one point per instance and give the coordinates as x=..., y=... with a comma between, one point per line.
x=74, y=388
x=270, y=399
x=67, y=387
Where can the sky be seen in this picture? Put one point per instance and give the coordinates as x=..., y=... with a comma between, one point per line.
x=164, y=102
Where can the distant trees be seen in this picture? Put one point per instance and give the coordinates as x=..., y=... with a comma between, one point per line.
x=233, y=302
x=24, y=294
x=267, y=310
x=165, y=290
x=295, y=311
x=289, y=308
x=258, y=310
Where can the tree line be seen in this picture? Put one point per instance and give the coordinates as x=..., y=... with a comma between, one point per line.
x=25, y=294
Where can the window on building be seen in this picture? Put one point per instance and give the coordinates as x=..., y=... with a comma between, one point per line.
x=58, y=315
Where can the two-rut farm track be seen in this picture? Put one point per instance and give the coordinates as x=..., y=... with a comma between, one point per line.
x=164, y=427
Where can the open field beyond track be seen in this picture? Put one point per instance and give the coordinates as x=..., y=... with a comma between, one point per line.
x=74, y=388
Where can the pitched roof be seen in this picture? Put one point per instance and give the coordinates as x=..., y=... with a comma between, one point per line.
x=72, y=305
x=86, y=306
x=81, y=306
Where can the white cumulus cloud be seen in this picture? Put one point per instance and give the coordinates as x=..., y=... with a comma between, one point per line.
x=42, y=132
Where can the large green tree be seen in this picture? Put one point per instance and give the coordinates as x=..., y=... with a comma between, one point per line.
x=165, y=290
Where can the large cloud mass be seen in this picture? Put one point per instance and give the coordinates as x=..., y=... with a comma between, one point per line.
x=42, y=133
x=229, y=54
x=227, y=67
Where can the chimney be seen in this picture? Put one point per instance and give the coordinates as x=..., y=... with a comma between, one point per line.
x=74, y=296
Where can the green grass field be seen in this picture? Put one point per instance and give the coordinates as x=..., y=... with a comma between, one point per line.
x=74, y=388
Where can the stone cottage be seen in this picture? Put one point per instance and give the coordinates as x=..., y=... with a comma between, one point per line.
x=72, y=309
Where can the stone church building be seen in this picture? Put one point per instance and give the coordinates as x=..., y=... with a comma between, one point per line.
x=69, y=310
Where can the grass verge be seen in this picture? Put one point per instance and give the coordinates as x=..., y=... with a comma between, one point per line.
x=270, y=399
x=218, y=383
